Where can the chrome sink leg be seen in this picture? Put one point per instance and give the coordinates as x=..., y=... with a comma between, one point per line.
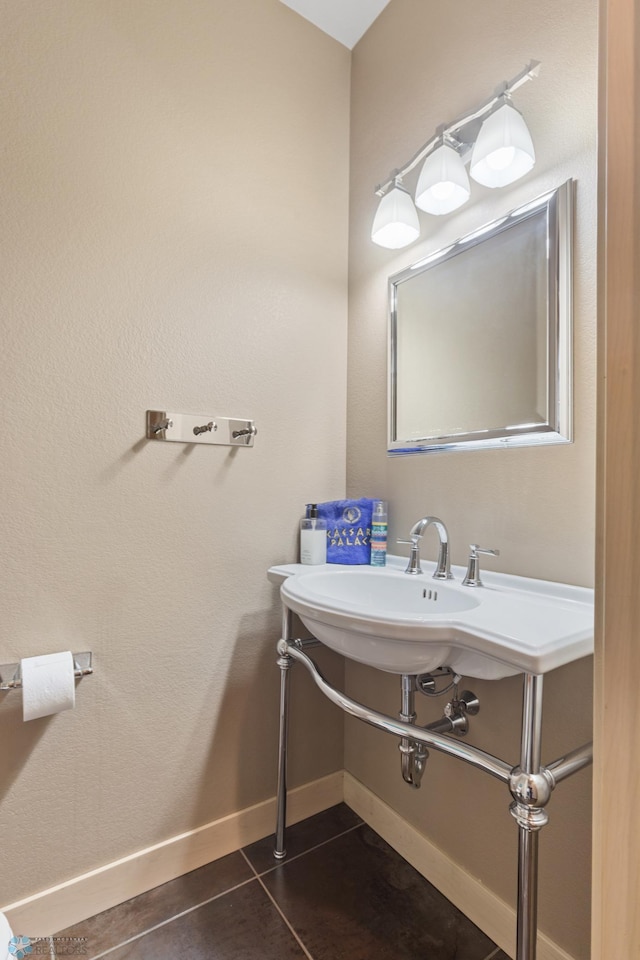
x=531, y=787
x=285, y=662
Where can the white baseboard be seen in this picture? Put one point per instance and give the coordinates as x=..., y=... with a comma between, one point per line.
x=75, y=900
x=67, y=903
x=494, y=917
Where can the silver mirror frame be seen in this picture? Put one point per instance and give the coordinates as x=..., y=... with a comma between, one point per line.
x=558, y=205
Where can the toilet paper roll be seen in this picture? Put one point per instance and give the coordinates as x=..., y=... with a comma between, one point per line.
x=48, y=685
x=5, y=935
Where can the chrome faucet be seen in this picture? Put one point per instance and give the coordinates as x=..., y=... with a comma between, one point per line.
x=443, y=570
x=472, y=577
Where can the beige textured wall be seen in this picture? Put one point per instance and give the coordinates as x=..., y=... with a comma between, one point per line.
x=174, y=203
x=420, y=65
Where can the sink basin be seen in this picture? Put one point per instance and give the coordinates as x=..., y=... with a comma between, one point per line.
x=382, y=593
x=412, y=624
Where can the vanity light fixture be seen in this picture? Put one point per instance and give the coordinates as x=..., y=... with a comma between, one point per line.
x=443, y=185
x=504, y=149
x=500, y=151
x=396, y=222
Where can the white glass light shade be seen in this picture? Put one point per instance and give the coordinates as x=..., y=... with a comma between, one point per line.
x=443, y=184
x=396, y=221
x=504, y=150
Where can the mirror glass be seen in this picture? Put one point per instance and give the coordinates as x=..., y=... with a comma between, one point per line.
x=480, y=336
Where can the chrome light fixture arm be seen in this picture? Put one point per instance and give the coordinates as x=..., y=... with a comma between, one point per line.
x=451, y=131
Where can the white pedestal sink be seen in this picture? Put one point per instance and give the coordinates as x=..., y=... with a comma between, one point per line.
x=412, y=624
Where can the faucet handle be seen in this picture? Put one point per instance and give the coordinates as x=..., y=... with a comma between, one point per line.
x=472, y=578
x=476, y=549
x=413, y=567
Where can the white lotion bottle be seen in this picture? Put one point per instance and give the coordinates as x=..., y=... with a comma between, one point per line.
x=313, y=537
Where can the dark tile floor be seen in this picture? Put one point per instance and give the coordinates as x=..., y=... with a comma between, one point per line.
x=341, y=894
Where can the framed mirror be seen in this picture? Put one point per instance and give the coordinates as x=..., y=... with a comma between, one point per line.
x=480, y=336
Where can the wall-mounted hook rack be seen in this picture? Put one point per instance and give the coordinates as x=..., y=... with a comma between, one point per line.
x=200, y=428
x=11, y=673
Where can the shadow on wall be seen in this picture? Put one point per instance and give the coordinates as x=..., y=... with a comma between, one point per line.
x=241, y=766
x=19, y=739
x=182, y=453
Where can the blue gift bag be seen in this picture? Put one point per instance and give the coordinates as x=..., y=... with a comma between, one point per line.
x=348, y=529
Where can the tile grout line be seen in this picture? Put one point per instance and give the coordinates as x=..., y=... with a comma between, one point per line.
x=317, y=846
x=290, y=927
x=494, y=953
x=256, y=876
x=176, y=916
x=259, y=877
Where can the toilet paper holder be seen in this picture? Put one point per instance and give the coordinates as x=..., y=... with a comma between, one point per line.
x=11, y=673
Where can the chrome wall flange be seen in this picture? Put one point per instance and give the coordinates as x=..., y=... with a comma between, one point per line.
x=459, y=709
